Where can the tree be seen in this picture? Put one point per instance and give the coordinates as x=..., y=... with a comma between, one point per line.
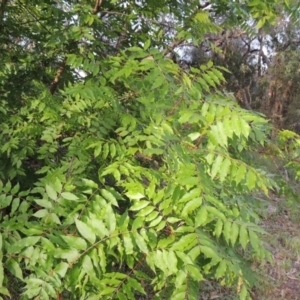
x=123, y=174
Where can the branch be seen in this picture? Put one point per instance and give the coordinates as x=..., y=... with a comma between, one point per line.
x=62, y=67
x=172, y=47
x=204, y=5
x=97, y=6
x=59, y=72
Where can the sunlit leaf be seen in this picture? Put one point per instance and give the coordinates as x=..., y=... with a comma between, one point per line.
x=51, y=192
x=85, y=231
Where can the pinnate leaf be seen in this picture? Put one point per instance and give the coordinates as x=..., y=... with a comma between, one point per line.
x=85, y=231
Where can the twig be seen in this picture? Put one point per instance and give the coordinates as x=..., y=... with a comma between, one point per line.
x=59, y=72
x=97, y=6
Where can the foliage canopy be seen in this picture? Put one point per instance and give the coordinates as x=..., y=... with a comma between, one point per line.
x=122, y=174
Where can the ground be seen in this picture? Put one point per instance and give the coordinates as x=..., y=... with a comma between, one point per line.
x=281, y=279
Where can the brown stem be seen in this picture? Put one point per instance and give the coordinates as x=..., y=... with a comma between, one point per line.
x=97, y=6
x=59, y=72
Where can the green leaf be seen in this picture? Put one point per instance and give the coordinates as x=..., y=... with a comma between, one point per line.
x=14, y=268
x=69, y=254
x=5, y=200
x=69, y=196
x=147, y=44
x=87, y=266
x=218, y=228
x=14, y=206
x=254, y=240
x=134, y=196
x=15, y=189
x=191, y=206
x=184, y=242
x=243, y=293
x=234, y=233
x=98, y=226
x=222, y=137
x=140, y=242
x=163, y=243
x=85, y=231
x=201, y=217
x=51, y=192
x=243, y=236
x=171, y=260
x=222, y=267
x=105, y=150
x=157, y=82
x=41, y=213
x=61, y=269
x=43, y=203
x=194, y=272
x=240, y=174
x=194, y=136
x=216, y=166
x=210, y=253
x=128, y=245
x=217, y=212
x=112, y=150
x=155, y=222
x=102, y=255
x=110, y=219
x=185, y=117
x=227, y=231
x=7, y=187
x=151, y=216
x=75, y=242
x=138, y=205
x=236, y=126
x=47, y=244
x=54, y=218
x=160, y=261
x=251, y=180
x=22, y=243
x=145, y=211
x=136, y=285
x=245, y=128
x=1, y=274
x=224, y=170
x=194, y=193
x=97, y=149
x=138, y=223
x=107, y=291
x=109, y=196
x=218, y=74
x=4, y=291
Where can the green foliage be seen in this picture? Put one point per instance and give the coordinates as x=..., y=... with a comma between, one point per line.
x=133, y=180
